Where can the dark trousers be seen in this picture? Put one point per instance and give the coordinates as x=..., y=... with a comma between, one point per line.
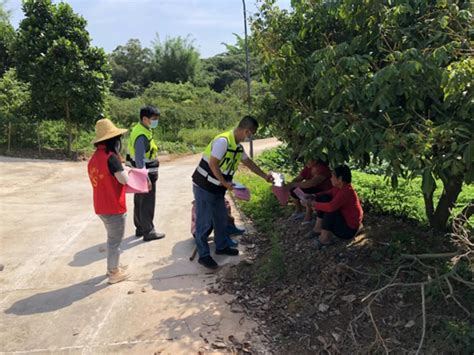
x=144, y=211
x=334, y=221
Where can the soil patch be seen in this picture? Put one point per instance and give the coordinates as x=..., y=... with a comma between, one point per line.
x=319, y=305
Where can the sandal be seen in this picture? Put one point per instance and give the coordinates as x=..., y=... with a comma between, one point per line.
x=320, y=246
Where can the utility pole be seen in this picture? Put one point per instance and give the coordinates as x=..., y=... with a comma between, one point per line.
x=247, y=60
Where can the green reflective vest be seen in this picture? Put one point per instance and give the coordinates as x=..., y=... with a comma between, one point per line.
x=230, y=161
x=137, y=131
x=203, y=175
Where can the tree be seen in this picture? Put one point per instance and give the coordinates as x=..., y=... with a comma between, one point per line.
x=375, y=81
x=69, y=78
x=130, y=68
x=175, y=61
x=223, y=69
x=14, y=102
x=7, y=34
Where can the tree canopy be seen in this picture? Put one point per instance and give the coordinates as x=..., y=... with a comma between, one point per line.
x=68, y=77
x=375, y=81
x=7, y=34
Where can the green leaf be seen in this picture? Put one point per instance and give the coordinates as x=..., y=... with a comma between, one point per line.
x=428, y=184
x=469, y=154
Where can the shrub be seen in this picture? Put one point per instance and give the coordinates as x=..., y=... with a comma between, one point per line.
x=198, y=137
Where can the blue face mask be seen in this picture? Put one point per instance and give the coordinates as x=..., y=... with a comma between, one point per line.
x=154, y=124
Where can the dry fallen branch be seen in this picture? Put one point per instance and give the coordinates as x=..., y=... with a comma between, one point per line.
x=428, y=256
x=462, y=238
x=423, y=308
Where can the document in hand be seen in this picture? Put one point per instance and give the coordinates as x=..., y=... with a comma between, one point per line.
x=242, y=194
x=137, y=181
x=278, y=179
x=282, y=194
x=301, y=195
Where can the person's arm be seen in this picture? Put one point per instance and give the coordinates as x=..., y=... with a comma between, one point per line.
x=249, y=163
x=116, y=169
x=214, y=165
x=313, y=182
x=122, y=177
x=140, y=151
x=335, y=204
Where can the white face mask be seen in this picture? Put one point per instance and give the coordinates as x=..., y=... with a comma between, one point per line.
x=154, y=124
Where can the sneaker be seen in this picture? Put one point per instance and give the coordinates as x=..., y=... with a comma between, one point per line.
x=121, y=268
x=208, y=262
x=297, y=215
x=117, y=275
x=228, y=251
x=233, y=230
x=138, y=234
x=153, y=236
x=311, y=235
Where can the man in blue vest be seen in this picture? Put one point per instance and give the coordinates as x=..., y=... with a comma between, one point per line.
x=143, y=152
x=211, y=179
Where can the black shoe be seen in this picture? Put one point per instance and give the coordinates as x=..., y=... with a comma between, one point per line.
x=208, y=262
x=153, y=236
x=228, y=251
x=138, y=234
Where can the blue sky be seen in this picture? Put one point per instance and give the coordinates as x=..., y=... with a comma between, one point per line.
x=113, y=22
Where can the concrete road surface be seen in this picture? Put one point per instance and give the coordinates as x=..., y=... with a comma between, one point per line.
x=53, y=292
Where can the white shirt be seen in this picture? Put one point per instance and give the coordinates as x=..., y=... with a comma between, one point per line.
x=219, y=148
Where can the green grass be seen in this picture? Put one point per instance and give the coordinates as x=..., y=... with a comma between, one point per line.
x=264, y=210
x=406, y=200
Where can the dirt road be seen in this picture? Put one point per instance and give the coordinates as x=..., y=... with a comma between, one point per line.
x=53, y=291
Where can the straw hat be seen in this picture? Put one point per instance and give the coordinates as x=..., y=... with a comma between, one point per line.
x=105, y=129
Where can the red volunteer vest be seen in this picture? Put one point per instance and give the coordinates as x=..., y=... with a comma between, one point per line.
x=109, y=194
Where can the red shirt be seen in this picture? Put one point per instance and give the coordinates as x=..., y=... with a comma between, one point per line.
x=346, y=201
x=319, y=169
x=109, y=194
x=323, y=170
x=306, y=173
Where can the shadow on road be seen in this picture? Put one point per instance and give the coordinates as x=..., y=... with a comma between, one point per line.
x=53, y=300
x=99, y=252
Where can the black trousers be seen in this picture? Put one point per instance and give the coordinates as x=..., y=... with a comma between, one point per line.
x=144, y=211
x=334, y=221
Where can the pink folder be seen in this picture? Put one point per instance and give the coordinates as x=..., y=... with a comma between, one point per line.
x=242, y=194
x=301, y=195
x=282, y=194
x=137, y=181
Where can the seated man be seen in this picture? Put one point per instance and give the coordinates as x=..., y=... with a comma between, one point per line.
x=342, y=214
x=315, y=177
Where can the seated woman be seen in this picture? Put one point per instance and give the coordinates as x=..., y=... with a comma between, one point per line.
x=342, y=214
x=315, y=177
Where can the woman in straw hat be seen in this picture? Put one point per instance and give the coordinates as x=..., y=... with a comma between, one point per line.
x=108, y=180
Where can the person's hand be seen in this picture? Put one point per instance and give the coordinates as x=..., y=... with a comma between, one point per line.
x=228, y=185
x=290, y=185
x=149, y=184
x=269, y=177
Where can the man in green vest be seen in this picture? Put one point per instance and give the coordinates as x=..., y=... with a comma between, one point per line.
x=143, y=152
x=211, y=179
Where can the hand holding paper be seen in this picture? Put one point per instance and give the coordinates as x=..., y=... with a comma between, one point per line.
x=137, y=181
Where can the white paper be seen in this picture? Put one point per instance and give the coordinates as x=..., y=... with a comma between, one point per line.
x=278, y=179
